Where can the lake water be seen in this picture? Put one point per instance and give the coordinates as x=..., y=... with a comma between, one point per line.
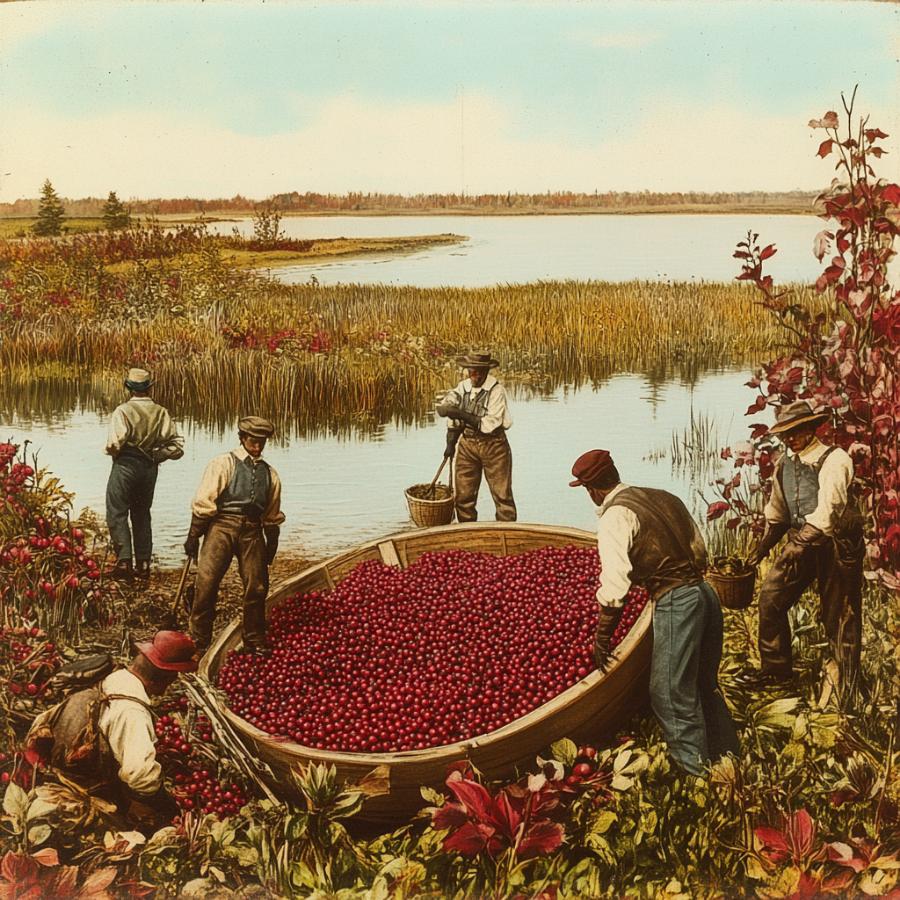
x=339, y=492
x=516, y=249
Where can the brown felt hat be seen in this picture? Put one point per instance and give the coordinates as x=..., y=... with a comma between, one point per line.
x=795, y=415
x=477, y=360
x=590, y=466
x=256, y=427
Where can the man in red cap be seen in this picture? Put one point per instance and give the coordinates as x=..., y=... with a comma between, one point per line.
x=103, y=737
x=811, y=504
x=646, y=536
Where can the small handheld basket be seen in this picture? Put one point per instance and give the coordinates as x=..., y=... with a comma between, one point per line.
x=431, y=504
x=735, y=591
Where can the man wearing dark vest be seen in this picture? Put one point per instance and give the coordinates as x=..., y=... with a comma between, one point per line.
x=647, y=536
x=237, y=512
x=810, y=504
x=103, y=737
x=479, y=419
x=141, y=436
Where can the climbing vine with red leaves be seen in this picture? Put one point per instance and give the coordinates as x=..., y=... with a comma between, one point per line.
x=844, y=360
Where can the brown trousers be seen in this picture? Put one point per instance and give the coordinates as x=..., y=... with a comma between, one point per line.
x=493, y=457
x=227, y=537
x=835, y=564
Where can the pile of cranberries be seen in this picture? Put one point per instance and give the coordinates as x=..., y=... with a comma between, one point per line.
x=456, y=645
x=196, y=787
x=28, y=660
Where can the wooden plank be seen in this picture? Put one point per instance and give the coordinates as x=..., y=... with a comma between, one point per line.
x=389, y=557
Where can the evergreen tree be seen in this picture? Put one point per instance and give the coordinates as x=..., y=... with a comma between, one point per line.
x=115, y=214
x=50, y=213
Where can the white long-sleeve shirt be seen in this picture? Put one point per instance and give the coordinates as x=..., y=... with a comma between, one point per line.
x=617, y=528
x=140, y=422
x=497, y=409
x=128, y=728
x=215, y=479
x=834, y=481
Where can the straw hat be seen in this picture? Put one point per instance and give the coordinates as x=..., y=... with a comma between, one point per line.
x=477, y=360
x=138, y=380
x=795, y=415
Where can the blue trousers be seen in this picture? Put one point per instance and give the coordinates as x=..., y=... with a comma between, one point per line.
x=684, y=677
x=129, y=492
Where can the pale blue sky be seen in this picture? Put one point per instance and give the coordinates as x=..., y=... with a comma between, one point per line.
x=217, y=98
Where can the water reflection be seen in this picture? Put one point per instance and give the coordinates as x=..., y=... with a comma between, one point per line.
x=340, y=489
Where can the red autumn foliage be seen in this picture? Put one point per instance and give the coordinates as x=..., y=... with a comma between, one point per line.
x=844, y=362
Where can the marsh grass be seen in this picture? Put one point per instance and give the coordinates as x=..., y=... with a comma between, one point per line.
x=341, y=357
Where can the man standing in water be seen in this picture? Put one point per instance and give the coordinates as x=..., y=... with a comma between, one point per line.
x=237, y=512
x=647, y=536
x=141, y=436
x=480, y=418
x=809, y=503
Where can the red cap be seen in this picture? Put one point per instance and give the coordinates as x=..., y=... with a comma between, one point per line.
x=170, y=650
x=590, y=466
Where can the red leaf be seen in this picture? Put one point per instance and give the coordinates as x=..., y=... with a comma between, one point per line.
x=469, y=840
x=758, y=430
x=873, y=134
x=46, y=857
x=877, y=152
x=767, y=252
x=825, y=148
x=450, y=815
x=473, y=796
x=803, y=832
x=714, y=510
x=891, y=194
x=541, y=838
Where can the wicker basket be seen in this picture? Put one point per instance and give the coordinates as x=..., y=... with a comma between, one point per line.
x=427, y=513
x=735, y=591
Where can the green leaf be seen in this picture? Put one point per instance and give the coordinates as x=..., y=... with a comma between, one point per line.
x=778, y=713
x=37, y=834
x=15, y=801
x=430, y=795
x=601, y=823
x=565, y=751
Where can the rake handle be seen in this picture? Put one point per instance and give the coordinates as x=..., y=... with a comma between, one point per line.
x=436, y=476
x=184, y=574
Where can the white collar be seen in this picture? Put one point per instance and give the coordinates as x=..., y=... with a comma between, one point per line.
x=489, y=382
x=810, y=453
x=242, y=454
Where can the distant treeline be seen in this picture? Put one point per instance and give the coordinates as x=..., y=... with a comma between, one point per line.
x=361, y=202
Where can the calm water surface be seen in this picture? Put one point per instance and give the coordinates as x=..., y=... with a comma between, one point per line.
x=516, y=249
x=340, y=492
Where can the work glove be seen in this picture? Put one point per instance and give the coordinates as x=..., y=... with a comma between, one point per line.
x=198, y=528
x=271, y=534
x=809, y=536
x=452, y=440
x=606, y=626
x=456, y=412
x=153, y=811
x=771, y=536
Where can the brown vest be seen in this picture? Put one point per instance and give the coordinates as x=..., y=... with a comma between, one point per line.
x=71, y=741
x=661, y=555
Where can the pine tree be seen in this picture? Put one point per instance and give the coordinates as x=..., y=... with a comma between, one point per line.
x=115, y=214
x=50, y=213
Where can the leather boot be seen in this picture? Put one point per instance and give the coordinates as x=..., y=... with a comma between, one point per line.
x=123, y=570
x=142, y=568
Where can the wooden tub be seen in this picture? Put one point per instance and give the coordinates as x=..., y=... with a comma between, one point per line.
x=592, y=707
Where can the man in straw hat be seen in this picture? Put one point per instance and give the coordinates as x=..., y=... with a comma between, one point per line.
x=103, y=737
x=141, y=436
x=647, y=536
x=479, y=419
x=237, y=512
x=810, y=504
